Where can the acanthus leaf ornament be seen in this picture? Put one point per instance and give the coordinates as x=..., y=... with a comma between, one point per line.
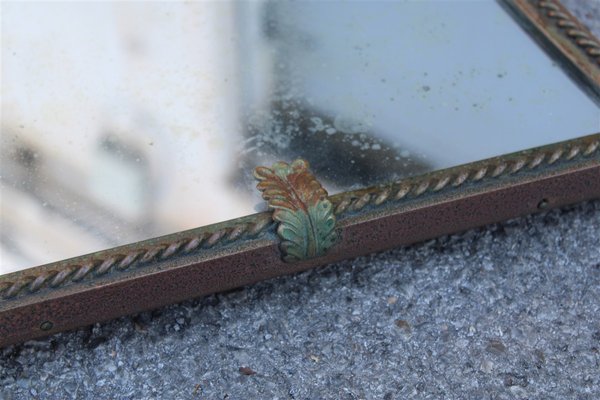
x=306, y=221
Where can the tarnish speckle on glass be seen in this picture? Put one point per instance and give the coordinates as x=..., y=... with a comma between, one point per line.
x=123, y=121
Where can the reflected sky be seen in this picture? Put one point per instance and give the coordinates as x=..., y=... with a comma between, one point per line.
x=124, y=121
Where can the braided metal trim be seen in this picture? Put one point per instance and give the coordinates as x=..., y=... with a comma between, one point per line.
x=571, y=28
x=91, y=268
x=471, y=173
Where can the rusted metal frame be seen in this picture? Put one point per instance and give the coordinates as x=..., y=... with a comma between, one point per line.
x=156, y=272
x=562, y=35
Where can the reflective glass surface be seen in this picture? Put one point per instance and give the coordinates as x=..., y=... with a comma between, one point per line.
x=125, y=121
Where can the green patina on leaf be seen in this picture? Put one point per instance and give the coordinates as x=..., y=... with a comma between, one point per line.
x=300, y=204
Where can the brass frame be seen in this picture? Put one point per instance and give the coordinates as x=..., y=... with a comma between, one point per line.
x=562, y=35
x=148, y=274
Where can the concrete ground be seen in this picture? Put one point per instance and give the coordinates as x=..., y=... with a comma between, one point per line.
x=506, y=311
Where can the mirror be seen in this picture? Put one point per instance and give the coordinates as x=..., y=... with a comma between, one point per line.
x=125, y=121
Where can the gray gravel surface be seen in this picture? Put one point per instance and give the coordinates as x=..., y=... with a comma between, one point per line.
x=506, y=311
x=502, y=312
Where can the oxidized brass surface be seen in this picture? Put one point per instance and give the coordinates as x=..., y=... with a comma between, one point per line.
x=301, y=207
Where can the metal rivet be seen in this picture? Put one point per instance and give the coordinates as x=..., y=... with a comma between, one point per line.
x=542, y=205
x=46, y=325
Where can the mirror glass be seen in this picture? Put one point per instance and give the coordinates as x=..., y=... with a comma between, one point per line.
x=123, y=121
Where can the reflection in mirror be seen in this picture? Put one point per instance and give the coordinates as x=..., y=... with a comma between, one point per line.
x=124, y=121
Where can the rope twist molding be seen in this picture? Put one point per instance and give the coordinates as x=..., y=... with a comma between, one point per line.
x=571, y=28
x=90, y=268
x=93, y=268
x=456, y=177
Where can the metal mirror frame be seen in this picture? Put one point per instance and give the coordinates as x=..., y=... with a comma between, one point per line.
x=128, y=279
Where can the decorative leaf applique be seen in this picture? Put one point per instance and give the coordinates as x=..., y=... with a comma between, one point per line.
x=300, y=204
